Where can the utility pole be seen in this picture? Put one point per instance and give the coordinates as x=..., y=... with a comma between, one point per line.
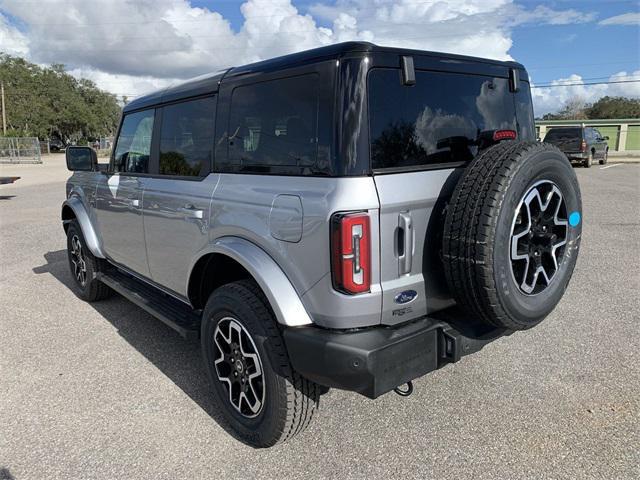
x=4, y=115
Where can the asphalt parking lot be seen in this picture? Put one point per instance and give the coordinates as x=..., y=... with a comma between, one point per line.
x=106, y=391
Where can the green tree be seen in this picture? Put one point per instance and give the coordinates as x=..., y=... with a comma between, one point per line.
x=615, y=107
x=46, y=102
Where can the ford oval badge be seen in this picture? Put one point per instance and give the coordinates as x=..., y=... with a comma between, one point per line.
x=406, y=296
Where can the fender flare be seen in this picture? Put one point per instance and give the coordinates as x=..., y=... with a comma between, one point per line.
x=90, y=237
x=280, y=293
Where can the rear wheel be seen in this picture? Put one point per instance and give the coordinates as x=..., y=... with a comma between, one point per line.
x=512, y=234
x=588, y=161
x=260, y=399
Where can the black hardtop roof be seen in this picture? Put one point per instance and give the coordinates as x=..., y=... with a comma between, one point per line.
x=209, y=83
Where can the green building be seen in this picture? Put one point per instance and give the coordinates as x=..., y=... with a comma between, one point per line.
x=623, y=133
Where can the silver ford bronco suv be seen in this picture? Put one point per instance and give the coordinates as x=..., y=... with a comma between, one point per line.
x=349, y=217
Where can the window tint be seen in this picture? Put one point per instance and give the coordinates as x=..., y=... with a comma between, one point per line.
x=436, y=121
x=273, y=125
x=524, y=113
x=186, y=138
x=134, y=143
x=563, y=133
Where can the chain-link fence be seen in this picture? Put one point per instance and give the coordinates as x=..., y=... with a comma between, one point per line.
x=20, y=150
x=106, y=143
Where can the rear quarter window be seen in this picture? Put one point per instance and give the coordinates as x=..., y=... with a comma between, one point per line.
x=273, y=127
x=438, y=120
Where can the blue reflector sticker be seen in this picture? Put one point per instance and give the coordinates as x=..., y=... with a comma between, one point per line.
x=574, y=219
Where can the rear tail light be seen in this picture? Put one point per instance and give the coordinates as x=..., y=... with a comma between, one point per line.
x=583, y=145
x=504, y=135
x=351, y=252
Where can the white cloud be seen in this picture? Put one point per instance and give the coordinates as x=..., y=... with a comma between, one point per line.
x=547, y=100
x=129, y=47
x=12, y=41
x=122, y=85
x=624, y=19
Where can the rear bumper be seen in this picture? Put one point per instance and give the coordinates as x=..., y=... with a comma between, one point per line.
x=375, y=360
x=576, y=156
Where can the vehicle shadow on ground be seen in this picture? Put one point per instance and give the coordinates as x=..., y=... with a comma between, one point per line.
x=175, y=357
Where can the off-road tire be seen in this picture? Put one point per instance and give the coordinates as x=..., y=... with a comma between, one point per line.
x=478, y=229
x=93, y=289
x=290, y=400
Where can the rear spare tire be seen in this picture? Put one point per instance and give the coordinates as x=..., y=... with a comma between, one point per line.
x=512, y=233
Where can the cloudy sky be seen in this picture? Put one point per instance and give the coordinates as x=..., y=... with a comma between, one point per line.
x=132, y=46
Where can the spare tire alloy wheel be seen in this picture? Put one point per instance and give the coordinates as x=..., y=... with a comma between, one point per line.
x=512, y=234
x=538, y=236
x=239, y=367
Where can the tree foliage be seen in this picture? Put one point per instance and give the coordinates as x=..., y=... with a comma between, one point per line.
x=606, y=108
x=615, y=107
x=47, y=102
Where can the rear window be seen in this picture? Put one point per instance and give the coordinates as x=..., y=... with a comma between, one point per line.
x=273, y=126
x=563, y=133
x=438, y=120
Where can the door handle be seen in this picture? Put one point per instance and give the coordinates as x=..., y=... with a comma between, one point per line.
x=405, y=224
x=190, y=211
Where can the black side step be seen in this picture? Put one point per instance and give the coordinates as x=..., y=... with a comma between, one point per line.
x=173, y=312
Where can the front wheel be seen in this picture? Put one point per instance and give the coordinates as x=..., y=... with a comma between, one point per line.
x=259, y=398
x=84, y=266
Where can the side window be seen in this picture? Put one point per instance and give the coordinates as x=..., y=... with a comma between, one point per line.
x=596, y=133
x=273, y=125
x=133, y=146
x=186, y=138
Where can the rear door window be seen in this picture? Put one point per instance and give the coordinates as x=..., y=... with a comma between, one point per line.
x=273, y=126
x=133, y=147
x=436, y=121
x=186, y=138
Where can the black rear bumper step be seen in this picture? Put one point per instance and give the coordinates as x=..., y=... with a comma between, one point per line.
x=169, y=310
x=374, y=361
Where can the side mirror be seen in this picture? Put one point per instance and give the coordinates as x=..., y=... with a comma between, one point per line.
x=606, y=137
x=81, y=159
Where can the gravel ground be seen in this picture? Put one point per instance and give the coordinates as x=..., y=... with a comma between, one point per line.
x=106, y=391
